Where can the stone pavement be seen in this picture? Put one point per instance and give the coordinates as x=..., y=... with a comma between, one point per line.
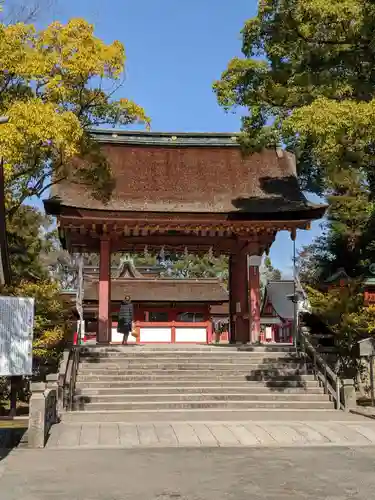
x=345, y=432
x=190, y=474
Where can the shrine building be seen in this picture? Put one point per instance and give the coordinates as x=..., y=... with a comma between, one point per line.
x=341, y=279
x=278, y=312
x=166, y=310
x=185, y=192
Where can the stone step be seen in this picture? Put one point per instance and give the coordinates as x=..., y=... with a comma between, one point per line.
x=182, y=365
x=188, y=376
x=162, y=389
x=176, y=398
x=193, y=405
x=185, y=348
x=146, y=381
x=208, y=414
x=203, y=372
x=136, y=385
x=193, y=357
x=193, y=363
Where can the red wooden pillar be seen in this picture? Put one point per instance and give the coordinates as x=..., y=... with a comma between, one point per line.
x=254, y=297
x=238, y=297
x=104, y=293
x=232, y=301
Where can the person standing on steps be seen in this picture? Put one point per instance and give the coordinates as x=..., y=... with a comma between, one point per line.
x=125, y=319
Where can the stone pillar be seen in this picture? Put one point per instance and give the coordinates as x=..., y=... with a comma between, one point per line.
x=348, y=394
x=254, y=297
x=52, y=380
x=37, y=416
x=104, y=293
x=53, y=385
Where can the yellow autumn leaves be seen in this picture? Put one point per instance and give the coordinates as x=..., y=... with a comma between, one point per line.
x=53, y=87
x=35, y=126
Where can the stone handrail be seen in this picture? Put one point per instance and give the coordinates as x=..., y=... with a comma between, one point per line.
x=43, y=411
x=341, y=391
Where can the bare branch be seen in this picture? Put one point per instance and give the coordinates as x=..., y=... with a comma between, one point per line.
x=20, y=11
x=13, y=209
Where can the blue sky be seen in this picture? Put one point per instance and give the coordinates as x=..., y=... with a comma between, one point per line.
x=175, y=50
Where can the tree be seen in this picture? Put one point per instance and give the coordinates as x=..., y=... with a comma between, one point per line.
x=25, y=11
x=307, y=81
x=55, y=85
x=30, y=239
x=51, y=319
x=197, y=266
x=30, y=242
x=345, y=313
x=268, y=272
x=145, y=259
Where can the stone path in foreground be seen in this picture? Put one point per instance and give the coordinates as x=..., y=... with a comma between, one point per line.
x=212, y=434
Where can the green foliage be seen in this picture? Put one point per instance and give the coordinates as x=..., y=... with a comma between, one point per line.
x=30, y=237
x=145, y=260
x=51, y=320
x=345, y=313
x=268, y=272
x=195, y=266
x=347, y=239
x=307, y=81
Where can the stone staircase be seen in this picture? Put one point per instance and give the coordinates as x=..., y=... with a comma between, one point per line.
x=139, y=381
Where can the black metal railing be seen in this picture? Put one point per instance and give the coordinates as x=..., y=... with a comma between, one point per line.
x=70, y=378
x=330, y=380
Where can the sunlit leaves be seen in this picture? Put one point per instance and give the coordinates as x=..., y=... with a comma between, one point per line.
x=343, y=310
x=307, y=82
x=55, y=85
x=338, y=129
x=299, y=55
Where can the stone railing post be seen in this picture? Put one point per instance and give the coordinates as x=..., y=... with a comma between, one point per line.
x=52, y=387
x=43, y=412
x=348, y=394
x=37, y=416
x=52, y=379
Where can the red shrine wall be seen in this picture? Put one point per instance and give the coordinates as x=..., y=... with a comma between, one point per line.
x=164, y=324
x=369, y=297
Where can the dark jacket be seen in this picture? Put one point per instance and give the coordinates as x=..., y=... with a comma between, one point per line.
x=125, y=315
